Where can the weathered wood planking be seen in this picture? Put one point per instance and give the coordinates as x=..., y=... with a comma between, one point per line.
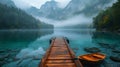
x=59, y=55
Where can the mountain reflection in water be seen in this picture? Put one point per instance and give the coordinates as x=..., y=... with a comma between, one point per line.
x=34, y=44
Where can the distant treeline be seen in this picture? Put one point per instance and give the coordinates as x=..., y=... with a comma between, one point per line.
x=109, y=20
x=14, y=18
x=79, y=26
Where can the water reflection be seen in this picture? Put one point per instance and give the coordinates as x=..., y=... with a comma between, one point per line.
x=15, y=46
x=106, y=38
x=22, y=35
x=108, y=43
x=20, y=38
x=30, y=55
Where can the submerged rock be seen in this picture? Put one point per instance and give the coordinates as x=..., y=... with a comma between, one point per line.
x=10, y=60
x=92, y=49
x=24, y=62
x=3, y=57
x=2, y=63
x=12, y=64
x=115, y=58
x=7, y=56
x=2, y=51
x=15, y=50
x=110, y=46
x=104, y=45
x=116, y=51
x=111, y=65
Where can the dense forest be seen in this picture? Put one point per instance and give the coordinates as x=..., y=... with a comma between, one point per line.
x=14, y=18
x=108, y=20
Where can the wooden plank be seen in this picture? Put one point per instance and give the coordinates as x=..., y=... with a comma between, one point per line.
x=58, y=44
x=59, y=61
x=59, y=55
x=61, y=65
x=63, y=58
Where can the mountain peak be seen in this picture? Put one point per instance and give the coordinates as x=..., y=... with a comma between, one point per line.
x=52, y=3
x=49, y=9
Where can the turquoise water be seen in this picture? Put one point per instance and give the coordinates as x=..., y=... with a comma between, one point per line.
x=31, y=45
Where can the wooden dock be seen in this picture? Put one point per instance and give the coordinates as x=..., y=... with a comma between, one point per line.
x=59, y=55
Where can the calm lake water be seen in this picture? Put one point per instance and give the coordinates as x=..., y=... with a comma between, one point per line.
x=25, y=48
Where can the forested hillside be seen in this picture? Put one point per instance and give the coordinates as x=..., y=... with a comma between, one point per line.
x=9, y=3
x=13, y=18
x=109, y=20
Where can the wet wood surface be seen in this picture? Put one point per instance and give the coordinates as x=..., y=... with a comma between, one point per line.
x=59, y=55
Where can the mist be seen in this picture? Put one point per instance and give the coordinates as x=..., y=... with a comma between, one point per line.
x=70, y=8
x=24, y=4
x=78, y=19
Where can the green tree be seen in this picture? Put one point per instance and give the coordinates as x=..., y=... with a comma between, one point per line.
x=108, y=19
x=13, y=18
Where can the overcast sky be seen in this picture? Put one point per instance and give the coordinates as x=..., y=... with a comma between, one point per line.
x=37, y=3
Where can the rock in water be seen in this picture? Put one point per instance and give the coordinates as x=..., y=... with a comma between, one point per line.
x=92, y=49
x=109, y=46
x=2, y=57
x=116, y=51
x=115, y=58
x=2, y=51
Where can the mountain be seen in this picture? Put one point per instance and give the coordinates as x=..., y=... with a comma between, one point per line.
x=13, y=18
x=33, y=11
x=86, y=7
x=48, y=10
x=51, y=9
x=8, y=3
